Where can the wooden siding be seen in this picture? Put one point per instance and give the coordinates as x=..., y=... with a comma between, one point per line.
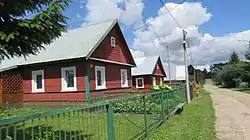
x=119, y=53
x=147, y=82
x=160, y=71
x=12, y=86
x=54, y=96
x=113, y=74
x=52, y=76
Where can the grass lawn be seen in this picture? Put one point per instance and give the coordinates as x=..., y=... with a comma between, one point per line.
x=242, y=90
x=196, y=122
x=79, y=124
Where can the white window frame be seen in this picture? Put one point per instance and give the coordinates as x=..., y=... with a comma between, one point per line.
x=154, y=81
x=136, y=81
x=112, y=41
x=161, y=81
x=102, y=69
x=63, y=77
x=34, y=84
x=126, y=73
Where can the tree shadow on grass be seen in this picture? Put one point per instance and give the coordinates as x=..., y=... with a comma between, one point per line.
x=42, y=132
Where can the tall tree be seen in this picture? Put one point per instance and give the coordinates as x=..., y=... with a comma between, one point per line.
x=22, y=36
x=234, y=58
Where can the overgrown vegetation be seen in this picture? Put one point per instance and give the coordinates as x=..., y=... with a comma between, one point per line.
x=196, y=122
x=233, y=74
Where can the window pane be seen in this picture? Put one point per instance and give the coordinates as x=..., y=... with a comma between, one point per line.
x=69, y=74
x=99, y=78
x=139, y=81
x=39, y=83
x=123, y=78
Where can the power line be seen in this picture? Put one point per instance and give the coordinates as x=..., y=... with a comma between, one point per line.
x=168, y=11
x=171, y=14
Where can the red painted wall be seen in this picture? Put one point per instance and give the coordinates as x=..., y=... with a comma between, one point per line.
x=147, y=82
x=52, y=76
x=113, y=74
x=160, y=71
x=119, y=53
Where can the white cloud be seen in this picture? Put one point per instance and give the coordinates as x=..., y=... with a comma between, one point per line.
x=205, y=48
x=162, y=30
x=129, y=12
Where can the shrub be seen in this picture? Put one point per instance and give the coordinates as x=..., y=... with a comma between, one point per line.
x=137, y=106
x=243, y=85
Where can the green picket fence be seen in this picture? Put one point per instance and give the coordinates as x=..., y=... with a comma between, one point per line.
x=135, y=117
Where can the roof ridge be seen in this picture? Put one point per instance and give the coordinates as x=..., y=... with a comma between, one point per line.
x=94, y=24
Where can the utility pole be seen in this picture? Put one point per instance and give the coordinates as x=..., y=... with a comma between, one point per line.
x=186, y=66
x=169, y=73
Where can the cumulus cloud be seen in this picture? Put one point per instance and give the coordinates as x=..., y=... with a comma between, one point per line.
x=162, y=30
x=129, y=12
x=205, y=49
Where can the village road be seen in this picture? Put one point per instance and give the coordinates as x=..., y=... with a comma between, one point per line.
x=232, y=111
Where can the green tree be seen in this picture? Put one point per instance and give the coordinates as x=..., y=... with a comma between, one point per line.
x=22, y=36
x=234, y=58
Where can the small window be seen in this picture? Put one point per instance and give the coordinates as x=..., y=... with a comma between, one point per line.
x=139, y=83
x=112, y=41
x=157, y=66
x=38, y=81
x=161, y=81
x=100, y=77
x=124, y=78
x=154, y=81
x=68, y=79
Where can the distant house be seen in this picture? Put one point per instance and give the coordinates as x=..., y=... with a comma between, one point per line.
x=82, y=63
x=176, y=73
x=149, y=72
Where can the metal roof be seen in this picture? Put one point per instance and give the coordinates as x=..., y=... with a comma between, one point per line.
x=145, y=65
x=76, y=43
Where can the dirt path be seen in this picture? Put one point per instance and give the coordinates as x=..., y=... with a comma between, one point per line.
x=232, y=110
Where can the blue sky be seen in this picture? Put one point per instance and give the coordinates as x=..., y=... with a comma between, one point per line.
x=212, y=33
x=228, y=16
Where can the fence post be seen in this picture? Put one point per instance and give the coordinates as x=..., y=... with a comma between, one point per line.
x=110, y=118
x=167, y=103
x=162, y=106
x=145, y=115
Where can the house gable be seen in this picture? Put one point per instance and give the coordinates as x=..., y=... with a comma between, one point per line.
x=120, y=53
x=159, y=69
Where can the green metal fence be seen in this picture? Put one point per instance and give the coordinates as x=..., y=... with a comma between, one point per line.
x=134, y=117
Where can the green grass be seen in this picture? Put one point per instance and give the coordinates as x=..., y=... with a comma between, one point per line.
x=241, y=90
x=196, y=122
x=80, y=123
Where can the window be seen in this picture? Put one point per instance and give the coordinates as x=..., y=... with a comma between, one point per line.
x=161, y=81
x=157, y=66
x=112, y=41
x=154, y=81
x=100, y=77
x=124, y=78
x=68, y=79
x=38, y=81
x=139, y=82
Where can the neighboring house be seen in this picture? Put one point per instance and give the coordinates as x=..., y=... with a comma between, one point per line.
x=176, y=73
x=149, y=72
x=83, y=63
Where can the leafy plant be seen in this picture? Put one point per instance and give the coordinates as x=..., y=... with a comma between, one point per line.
x=243, y=85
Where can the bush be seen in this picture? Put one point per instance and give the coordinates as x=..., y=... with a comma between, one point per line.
x=243, y=85
x=137, y=106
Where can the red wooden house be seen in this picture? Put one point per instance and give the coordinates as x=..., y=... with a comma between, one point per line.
x=149, y=72
x=82, y=63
